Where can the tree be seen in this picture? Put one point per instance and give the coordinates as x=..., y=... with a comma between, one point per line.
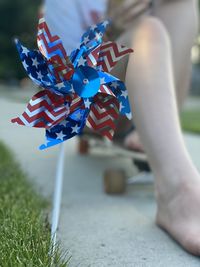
x=18, y=18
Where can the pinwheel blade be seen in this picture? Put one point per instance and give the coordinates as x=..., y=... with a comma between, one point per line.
x=92, y=57
x=65, y=130
x=52, y=49
x=103, y=114
x=110, y=54
x=34, y=64
x=44, y=110
x=94, y=35
x=106, y=78
x=48, y=44
x=76, y=103
x=120, y=91
x=37, y=69
x=106, y=91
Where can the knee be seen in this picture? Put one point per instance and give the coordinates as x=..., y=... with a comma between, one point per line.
x=152, y=30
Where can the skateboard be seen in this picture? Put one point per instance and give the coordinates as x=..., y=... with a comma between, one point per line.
x=115, y=181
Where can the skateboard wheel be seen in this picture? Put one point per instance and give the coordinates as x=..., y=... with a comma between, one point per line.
x=114, y=181
x=83, y=146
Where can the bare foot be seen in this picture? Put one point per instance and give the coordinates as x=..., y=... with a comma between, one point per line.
x=132, y=141
x=179, y=213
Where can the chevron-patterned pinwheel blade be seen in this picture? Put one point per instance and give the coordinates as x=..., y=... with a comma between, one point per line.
x=103, y=114
x=48, y=44
x=110, y=54
x=52, y=49
x=43, y=111
x=76, y=103
x=93, y=56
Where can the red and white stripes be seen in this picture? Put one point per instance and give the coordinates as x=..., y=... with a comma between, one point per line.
x=43, y=111
x=103, y=115
x=110, y=54
x=52, y=49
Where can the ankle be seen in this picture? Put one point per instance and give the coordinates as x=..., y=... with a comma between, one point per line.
x=175, y=181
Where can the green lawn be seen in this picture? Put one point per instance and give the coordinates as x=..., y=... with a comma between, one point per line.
x=24, y=228
x=190, y=121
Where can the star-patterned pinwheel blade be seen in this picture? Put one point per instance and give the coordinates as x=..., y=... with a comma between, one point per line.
x=90, y=46
x=106, y=78
x=37, y=69
x=35, y=65
x=44, y=110
x=94, y=35
x=87, y=58
x=120, y=91
x=65, y=130
x=52, y=49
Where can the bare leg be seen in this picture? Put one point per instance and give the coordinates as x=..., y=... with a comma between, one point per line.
x=177, y=182
x=180, y=20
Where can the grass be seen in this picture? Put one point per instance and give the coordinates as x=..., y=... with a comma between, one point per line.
x=190, y=121
x=24, y=228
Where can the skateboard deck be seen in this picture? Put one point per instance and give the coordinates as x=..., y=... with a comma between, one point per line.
x=92, y=143
x=111, y=148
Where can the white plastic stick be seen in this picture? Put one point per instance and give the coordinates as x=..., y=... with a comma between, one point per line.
x=57, y=196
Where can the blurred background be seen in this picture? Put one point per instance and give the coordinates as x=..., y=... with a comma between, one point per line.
x=19, y=19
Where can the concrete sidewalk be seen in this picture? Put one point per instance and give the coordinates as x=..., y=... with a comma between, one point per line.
x=97, y=230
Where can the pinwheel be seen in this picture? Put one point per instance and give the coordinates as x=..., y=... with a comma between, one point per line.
x=78, y=89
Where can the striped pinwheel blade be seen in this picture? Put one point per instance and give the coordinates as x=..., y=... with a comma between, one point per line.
x=103, y=114
x=44, y=110
x=92, y=57
x=52, y=49
x=110, y=54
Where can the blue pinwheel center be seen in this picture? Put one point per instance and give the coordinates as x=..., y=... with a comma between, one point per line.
x=86, y=81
